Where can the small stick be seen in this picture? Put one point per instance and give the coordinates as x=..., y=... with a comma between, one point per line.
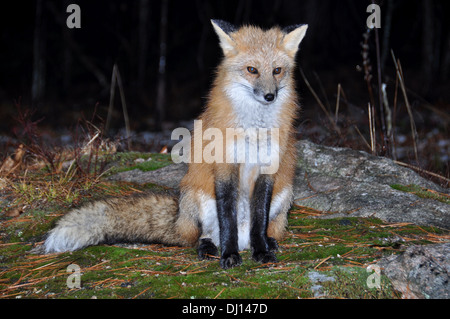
x=372, y=130
x=320, y=102
x=398, y=67
x=362, y=136
x=337, y=103
x=220, y=293
x=422, y=170
x=116, y=78
x=324, y=260
x=388, y=120
x=124, y=107
x=323, y=90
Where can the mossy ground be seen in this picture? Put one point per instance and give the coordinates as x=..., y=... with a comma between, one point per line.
x=422, y=192
x=341, y=248
x=121, y=162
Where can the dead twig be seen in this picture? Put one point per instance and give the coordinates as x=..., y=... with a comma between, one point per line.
x=423, y=171
x=220, y=293
x=368, y=78
x=337, y=104
x=322, y=106
x=362, y=136
x=323, y=260
x=389, y=130
x=116, y=78
x=385, y=139
x=372, y=130
x=401, y=79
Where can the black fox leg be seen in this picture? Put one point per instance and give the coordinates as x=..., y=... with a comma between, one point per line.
x=262, y=246
x=273, y=245
x=226, y=199
x=206, y=249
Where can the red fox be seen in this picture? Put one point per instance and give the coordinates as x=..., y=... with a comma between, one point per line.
x=228, y=205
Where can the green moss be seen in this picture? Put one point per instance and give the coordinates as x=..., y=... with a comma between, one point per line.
x=422, y=192
x=147, y=161
x=340, y=248
x=351, y=283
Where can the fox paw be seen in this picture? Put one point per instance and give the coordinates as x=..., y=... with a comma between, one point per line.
x=230, y=261
x=265, y=257
x=207, y=249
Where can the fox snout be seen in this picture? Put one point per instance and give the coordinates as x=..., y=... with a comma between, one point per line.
x=265, y=84
x=265, y=96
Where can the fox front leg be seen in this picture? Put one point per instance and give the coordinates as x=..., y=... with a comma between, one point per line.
x=206, y=249
x=226, y=200
x=262, y=246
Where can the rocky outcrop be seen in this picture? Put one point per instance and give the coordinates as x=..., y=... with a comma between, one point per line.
x=344, y=182
x=169, y=176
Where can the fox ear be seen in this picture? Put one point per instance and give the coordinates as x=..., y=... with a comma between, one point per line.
x=223, y=30
x=294, y=35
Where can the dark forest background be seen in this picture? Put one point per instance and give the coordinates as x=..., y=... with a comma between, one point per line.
x=63, y=74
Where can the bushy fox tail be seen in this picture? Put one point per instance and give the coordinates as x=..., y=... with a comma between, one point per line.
x=144, y=219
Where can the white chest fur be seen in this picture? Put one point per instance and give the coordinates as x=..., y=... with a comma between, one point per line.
x=250, y=113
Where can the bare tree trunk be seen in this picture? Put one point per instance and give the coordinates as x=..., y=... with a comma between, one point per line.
x=427, y=43
x=143, y=43
x=438, y=22
x=161, y=91
x=205, y=12
x=38, y=75
x=67, y=68
x=445, y=74
x=77, y=50
x=67, y=59
x=387, y=33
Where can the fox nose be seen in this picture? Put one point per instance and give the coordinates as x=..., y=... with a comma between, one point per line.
x=269, y=97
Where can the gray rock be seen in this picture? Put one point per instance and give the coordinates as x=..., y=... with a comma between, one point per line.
x=420, y=272
x=316, y=279
x=344, y=182
x=169, y=176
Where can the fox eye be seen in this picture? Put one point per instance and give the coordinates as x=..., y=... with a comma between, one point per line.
x=277, y=71
x=252, y=70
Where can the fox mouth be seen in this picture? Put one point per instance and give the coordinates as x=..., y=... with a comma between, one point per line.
x=265, y=98
x=258, y=95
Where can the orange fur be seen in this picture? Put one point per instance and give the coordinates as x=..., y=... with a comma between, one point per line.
x=265, y=50
x=254, y=88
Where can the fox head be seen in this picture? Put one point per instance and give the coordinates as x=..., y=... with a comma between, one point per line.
x=259, y=64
